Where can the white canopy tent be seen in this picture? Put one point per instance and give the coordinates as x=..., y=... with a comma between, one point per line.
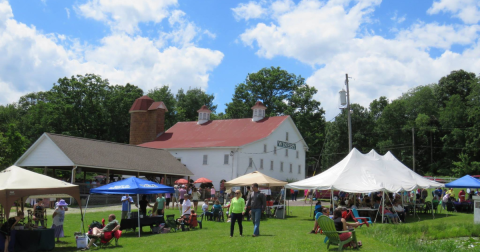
x=364, y=173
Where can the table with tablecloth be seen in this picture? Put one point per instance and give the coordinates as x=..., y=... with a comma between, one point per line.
x=30, y=240
x=146, y=221
x=465, y=206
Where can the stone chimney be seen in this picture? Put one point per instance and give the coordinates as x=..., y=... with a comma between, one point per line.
x=203, y=115
x=147, y=120
x=258, y=111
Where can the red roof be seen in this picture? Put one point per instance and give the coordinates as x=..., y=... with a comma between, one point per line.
x=216, y=133
x=259, y=104
x=142, y=103
x=157, y=105
x=204, y=108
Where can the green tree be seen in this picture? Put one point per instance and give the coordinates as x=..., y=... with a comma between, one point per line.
x=189, y=102
x=12, y=145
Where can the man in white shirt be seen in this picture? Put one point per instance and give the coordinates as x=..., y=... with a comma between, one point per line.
x=186, y=206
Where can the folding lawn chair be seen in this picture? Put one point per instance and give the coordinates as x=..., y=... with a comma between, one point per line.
x=107, y=238
x=171, y=223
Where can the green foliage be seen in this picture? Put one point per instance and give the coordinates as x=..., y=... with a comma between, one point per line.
x=189, y=102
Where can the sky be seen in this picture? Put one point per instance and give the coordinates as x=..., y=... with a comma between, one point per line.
x=386, y=47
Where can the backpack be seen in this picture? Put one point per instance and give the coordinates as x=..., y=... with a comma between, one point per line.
x=95, y=224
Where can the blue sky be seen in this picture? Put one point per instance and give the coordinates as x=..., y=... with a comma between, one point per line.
x=387, y=47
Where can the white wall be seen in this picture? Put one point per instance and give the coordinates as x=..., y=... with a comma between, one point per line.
x=279, y=134
x=44, y=152
x=216, y=170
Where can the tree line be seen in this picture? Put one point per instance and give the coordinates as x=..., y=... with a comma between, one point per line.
x=444, y=116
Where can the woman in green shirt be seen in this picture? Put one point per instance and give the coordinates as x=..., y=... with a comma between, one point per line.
x=236, y=211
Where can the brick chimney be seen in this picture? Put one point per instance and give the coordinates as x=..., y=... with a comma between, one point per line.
x=258, y=111
x=147, y=120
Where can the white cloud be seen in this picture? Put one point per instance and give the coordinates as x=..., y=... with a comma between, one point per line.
x=398, y=19
x=466, y=10
x=68, y=12
x=312, y=31
x=333, y=35
x=125, y=15
x=31, y=61
x=248, y=11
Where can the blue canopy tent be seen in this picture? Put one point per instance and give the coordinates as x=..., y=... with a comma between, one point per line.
x=466, y=181
x=133, y=185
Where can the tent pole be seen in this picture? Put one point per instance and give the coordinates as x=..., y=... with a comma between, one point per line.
x=84, y=213
x=383, y=204
x=333, y=202
x=284, y=199
x=138, y=215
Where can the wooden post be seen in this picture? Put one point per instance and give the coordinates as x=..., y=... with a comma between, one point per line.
x=45, y=170
x=53, y=173
x=165, y=179
x=138, y=174
x=84, y=176
x=108, y=176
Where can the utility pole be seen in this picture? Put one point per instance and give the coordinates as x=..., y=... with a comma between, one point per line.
x=431, y=148
x=349, y=116
x=413, y=147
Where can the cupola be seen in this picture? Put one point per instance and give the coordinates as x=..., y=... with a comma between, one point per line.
x=258, y=111
x=203, y=115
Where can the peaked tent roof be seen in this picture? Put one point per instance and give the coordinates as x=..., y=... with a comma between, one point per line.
x=216, y=133
x=255, y=177
x=466, y=181
x=133, y=185
x=16, y=182
x=371, y=172
x=102, y=154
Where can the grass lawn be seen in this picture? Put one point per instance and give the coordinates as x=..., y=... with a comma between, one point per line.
x=450, y=233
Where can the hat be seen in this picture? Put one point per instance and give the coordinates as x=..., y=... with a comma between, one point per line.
x=62, y=203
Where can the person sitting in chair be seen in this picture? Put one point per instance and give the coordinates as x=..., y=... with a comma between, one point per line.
x=341, y=225
x=111, y=226
x=325, y=211
x=400, y=210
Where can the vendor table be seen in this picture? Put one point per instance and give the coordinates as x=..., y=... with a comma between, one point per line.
x=147, y=221
x=30, y=240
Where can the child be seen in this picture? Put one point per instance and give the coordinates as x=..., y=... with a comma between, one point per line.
x=58, y=218
x=217, y=207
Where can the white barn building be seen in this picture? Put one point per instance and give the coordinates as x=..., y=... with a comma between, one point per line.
x=226, y=149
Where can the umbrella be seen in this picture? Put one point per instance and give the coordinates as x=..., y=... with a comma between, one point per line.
x=203, y=180
x=181, y=181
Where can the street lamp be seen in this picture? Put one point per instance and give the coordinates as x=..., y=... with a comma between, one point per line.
x=345, y=100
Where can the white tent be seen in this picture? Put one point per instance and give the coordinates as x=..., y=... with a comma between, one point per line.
x=363, y=173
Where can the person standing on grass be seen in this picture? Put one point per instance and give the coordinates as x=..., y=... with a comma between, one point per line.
x=256, y=200
x=168, y=197
x=58, y=218
x=212, y=192
x=195, y=197
x=126, y=202
x=176, y=197
x=161, y=204
x=236, y=211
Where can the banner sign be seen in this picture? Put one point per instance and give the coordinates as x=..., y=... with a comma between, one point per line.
x=286, y=145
